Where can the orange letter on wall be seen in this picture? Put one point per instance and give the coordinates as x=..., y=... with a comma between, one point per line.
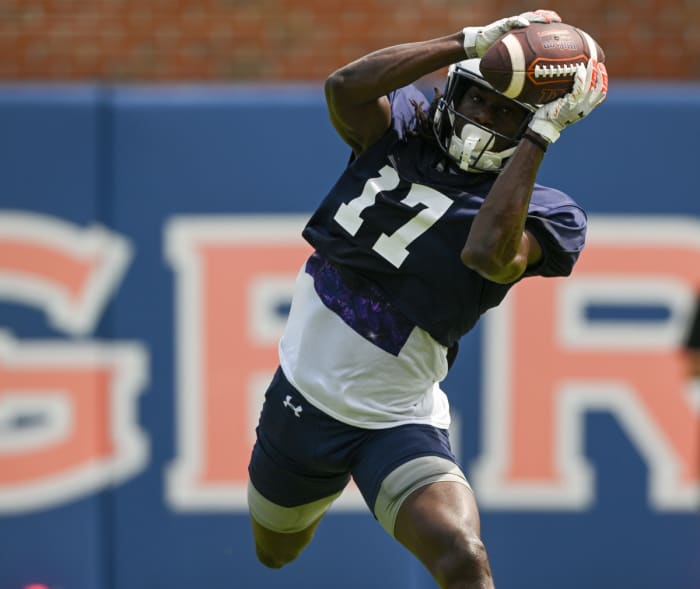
x=235, y=278
x=67, y=410
x=547, y=364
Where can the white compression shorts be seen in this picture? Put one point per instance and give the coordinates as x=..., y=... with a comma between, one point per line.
x=394, y=490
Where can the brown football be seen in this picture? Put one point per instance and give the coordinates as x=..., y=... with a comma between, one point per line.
x=536, y=64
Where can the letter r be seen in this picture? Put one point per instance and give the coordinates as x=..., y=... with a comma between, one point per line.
x=548, y=361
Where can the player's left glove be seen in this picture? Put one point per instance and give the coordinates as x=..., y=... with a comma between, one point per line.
x=589, y=90
x=478, y=39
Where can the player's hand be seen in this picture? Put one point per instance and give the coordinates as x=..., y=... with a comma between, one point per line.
x=478, y=39
x=589, y=90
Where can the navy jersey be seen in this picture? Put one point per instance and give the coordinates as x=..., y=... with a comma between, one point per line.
x=398, y=222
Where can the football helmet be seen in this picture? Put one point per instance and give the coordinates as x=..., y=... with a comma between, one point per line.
x=471, y=145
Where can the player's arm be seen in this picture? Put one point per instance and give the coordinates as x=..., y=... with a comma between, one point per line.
x=498, y=246
x=356, y=94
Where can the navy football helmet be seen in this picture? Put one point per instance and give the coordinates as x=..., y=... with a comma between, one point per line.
x=471, y=145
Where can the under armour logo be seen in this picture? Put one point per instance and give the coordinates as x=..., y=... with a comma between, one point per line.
x=288, y=403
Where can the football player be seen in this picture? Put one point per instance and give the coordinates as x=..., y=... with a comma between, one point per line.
x=692, y=342
x=435, y=218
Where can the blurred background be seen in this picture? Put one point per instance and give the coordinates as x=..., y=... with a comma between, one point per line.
x=157, y=162
x=299, y=40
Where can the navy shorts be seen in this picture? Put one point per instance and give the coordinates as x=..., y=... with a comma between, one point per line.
x=303, y=455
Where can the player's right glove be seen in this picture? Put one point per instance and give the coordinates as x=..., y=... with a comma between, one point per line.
x=589, y=90
x=477, y=40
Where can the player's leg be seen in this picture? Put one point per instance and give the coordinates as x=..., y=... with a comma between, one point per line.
x=275, y=549
x=281, y=533
x=289, y=489
x=439, y=524
x=410, y=478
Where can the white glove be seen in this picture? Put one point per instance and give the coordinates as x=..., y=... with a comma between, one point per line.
x=589, y=90
x=478, y=39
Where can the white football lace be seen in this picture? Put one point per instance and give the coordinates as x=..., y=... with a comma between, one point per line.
x=555, y=71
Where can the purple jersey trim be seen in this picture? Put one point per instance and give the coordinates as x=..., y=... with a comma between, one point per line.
x=363, y=307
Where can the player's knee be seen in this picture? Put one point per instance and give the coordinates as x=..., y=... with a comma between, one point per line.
x=275, y=559
x=466, y=561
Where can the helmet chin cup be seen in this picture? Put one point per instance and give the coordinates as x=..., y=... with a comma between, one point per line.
x=472, y=143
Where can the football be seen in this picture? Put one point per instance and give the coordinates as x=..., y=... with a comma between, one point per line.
x=536, y=64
